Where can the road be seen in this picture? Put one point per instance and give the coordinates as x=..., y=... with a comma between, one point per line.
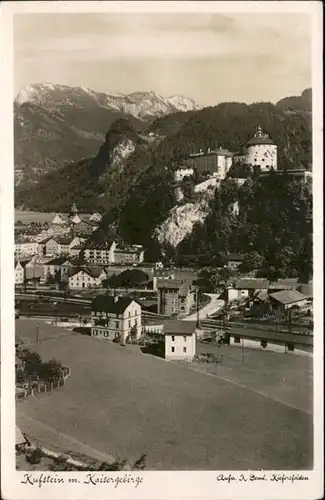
x=211, y=308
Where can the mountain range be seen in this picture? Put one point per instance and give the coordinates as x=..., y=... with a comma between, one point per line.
x=55, y=125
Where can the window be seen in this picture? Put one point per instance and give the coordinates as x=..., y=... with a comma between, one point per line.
x=184, y=349
x=129, y=323
x=117, y=324
x=129, y=314
x=184, y=338
x=173, y=349
x=105, y=333
x=173, y=338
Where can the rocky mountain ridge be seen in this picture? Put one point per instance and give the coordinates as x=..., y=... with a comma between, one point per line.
x=56, y=125
x=141, y=105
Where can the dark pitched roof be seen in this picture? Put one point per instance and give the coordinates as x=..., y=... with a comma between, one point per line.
x=179, y=327
x=94, y=272
x=261, y=295
x=57, y=261
x=287, y=296
x=24, y=262
x=259, y=140
x=252, y=284
x=279, y=286
x=110, y=304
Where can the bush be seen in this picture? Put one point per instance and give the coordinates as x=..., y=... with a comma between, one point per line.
x=34, y=456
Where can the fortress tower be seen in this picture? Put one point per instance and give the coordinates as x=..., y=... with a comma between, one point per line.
x=261, y=151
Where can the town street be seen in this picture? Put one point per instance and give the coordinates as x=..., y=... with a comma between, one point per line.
x=211, y=308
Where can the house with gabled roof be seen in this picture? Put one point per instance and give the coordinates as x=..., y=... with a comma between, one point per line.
x=86, y=277
x=116, y=318
x=175, y=297
x=284, y=300
x=180, y=339
x=100, y=254
x=58, y=267
x=19, y=273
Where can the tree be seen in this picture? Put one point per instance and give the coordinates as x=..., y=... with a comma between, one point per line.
x=51, y=370
x=32, y=361
x=118, y=465
x=140, y=464
x=252, y=261
x=34, y=455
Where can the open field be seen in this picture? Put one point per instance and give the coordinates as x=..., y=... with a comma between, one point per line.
x=124, y=403
x=26, y=216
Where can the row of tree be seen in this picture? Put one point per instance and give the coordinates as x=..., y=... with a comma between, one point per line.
x=33, y=365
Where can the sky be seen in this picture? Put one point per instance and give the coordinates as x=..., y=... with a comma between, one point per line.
x=210, y=58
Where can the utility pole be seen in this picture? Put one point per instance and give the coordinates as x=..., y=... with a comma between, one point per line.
x=198, y=325
x=290, y=320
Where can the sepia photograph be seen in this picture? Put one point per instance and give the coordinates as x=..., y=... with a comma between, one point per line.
x=163, y=243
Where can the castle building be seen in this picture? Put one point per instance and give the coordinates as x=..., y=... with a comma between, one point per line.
x=261, y=152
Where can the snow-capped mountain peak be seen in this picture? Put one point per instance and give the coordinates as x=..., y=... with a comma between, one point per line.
x=141, y=105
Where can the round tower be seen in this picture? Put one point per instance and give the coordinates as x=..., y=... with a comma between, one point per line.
x=261, y=151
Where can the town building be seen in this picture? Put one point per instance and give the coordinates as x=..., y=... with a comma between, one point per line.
x=59, y=268
x=261, y=152
x=284, y=300
x=181, y=172
x=100, y=254
x=116, y=318
x=234, y=260
x=175, y=297
x=19, y=273
x=217, y=161
x=25, y=247
x=128, y=254
x=50, y=246
x=86, y=277
x=34, y=268
x=180, y=340
x=245, y=288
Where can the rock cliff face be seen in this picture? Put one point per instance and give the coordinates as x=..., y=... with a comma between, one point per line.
x=182, y=220
x=121, y=152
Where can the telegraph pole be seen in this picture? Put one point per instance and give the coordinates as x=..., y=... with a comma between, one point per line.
x=198, y=325
x=290, y=320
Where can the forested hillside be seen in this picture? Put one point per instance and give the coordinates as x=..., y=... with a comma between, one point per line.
x=273, y=227
x=94, y=184
x=229, y=125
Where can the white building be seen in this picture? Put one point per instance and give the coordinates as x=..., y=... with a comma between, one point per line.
x=25, y=247
x=180, y=340
x=19, y=273
x=116, y=318
x=100, y=254
x=86, y=277
x=95, y=217
x=182, y=172
x=207, y=184
x=261, y=152
x=59, y=219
